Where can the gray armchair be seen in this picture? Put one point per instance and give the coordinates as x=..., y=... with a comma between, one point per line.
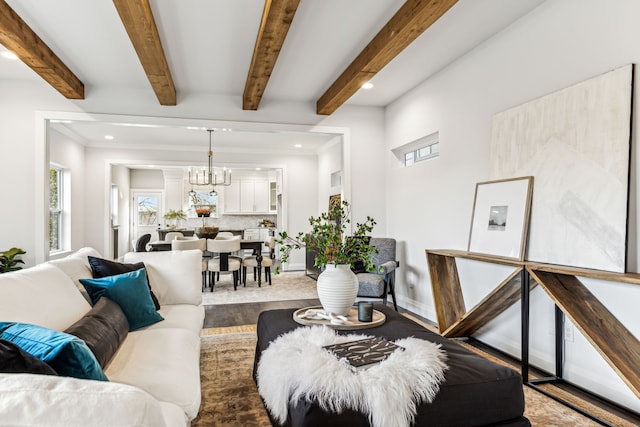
x=380, y=282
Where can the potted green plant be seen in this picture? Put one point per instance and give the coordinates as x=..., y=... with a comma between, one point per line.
x=175, y=216
x=336, y=253
x=9, y=260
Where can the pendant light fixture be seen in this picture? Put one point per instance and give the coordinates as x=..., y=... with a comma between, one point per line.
x=210, y=175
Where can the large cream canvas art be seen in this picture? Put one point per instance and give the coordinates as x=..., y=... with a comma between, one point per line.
x=575, y=143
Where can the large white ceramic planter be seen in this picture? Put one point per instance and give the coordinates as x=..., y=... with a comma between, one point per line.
x=337, y=288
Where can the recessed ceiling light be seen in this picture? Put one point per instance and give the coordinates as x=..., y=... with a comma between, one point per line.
x=258, y=169
x=9, y=55
x=298, y=145
x=108, y=137
x=367, y=85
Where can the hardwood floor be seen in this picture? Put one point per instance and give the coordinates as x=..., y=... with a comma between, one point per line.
x=225, y=315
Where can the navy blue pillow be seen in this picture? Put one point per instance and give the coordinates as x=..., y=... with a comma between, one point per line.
x=103, y=268
x=15, y=360
x=130, y=292
x=69, y=356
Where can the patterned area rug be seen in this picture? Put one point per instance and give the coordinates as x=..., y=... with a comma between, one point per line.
x=284, y=286
x=230, y=397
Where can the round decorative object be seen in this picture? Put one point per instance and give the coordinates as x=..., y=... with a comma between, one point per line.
x=207, y=232
x=337, y=288
x=301, y=316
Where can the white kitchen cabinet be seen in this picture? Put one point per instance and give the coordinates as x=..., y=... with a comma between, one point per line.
x=247, y=196
x=232, y=197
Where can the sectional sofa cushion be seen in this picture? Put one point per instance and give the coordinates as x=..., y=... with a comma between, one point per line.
x=42, y=295
x=67, y=355
x=130, y=292
x=163, y=362
x=185, y=268
x=183, y=316
x=101, y=267
x=16, y=360
x=41, y=400
x=103, y=329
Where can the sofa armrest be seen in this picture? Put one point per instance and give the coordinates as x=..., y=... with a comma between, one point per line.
x=27, y=399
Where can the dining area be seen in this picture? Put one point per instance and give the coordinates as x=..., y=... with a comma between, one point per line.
x=223, y=253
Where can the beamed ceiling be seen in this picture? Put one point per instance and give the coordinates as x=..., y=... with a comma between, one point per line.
x=318, y=51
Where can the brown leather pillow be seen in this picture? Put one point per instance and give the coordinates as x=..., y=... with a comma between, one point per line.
x=105, y=268
x=103, y=328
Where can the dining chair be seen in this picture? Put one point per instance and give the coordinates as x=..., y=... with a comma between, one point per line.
x=140, y=244
x=187, y=244
x=225, y=235
x=172, y=235
x=267, y=262
x=223, y=262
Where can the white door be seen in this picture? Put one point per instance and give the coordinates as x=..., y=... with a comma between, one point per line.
x=147, y=213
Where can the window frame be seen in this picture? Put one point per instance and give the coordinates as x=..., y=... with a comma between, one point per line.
x=59, y=210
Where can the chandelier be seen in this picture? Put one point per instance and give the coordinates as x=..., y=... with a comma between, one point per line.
x=210, y=175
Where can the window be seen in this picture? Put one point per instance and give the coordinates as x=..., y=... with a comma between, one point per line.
x=421, y=149
x=55, y=208
x=420, y=154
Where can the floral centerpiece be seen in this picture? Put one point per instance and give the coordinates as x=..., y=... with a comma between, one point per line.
x=203, y=211
x=336, y=253
x=206, y=231
x=173, y=215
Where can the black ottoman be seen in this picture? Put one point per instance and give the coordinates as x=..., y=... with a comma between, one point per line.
x=476, y=391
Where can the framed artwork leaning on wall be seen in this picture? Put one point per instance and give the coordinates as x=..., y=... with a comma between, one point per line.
x=500, y=219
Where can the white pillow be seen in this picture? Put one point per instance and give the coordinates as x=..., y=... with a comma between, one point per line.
x=175, y=276
x=44, y=400
x=42, y=295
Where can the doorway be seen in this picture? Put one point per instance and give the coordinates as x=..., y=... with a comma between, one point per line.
x=146, y=213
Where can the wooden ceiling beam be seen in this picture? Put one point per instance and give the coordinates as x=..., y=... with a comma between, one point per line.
x=276, y=20
x=16, y=36
x=411, y=20
x=137, y=17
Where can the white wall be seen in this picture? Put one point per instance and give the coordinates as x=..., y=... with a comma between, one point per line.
x=120, y=176
x=329, y=162
x=147, y=179
x=560, y=43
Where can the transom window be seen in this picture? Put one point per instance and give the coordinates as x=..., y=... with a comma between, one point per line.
x=421, y=149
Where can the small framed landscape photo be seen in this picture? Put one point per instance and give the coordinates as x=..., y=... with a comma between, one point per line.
x=500, y=219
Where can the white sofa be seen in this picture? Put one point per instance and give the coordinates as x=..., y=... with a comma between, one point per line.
x=154, y=377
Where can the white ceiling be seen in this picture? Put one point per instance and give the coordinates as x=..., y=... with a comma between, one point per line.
x=209, y=45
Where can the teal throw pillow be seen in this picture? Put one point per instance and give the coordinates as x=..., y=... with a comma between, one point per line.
x=130, y=292
x=69, y=356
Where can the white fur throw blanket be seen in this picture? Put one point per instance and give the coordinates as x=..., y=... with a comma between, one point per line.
x=295, y=365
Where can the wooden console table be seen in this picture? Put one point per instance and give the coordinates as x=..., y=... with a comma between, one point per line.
x=571, y=297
